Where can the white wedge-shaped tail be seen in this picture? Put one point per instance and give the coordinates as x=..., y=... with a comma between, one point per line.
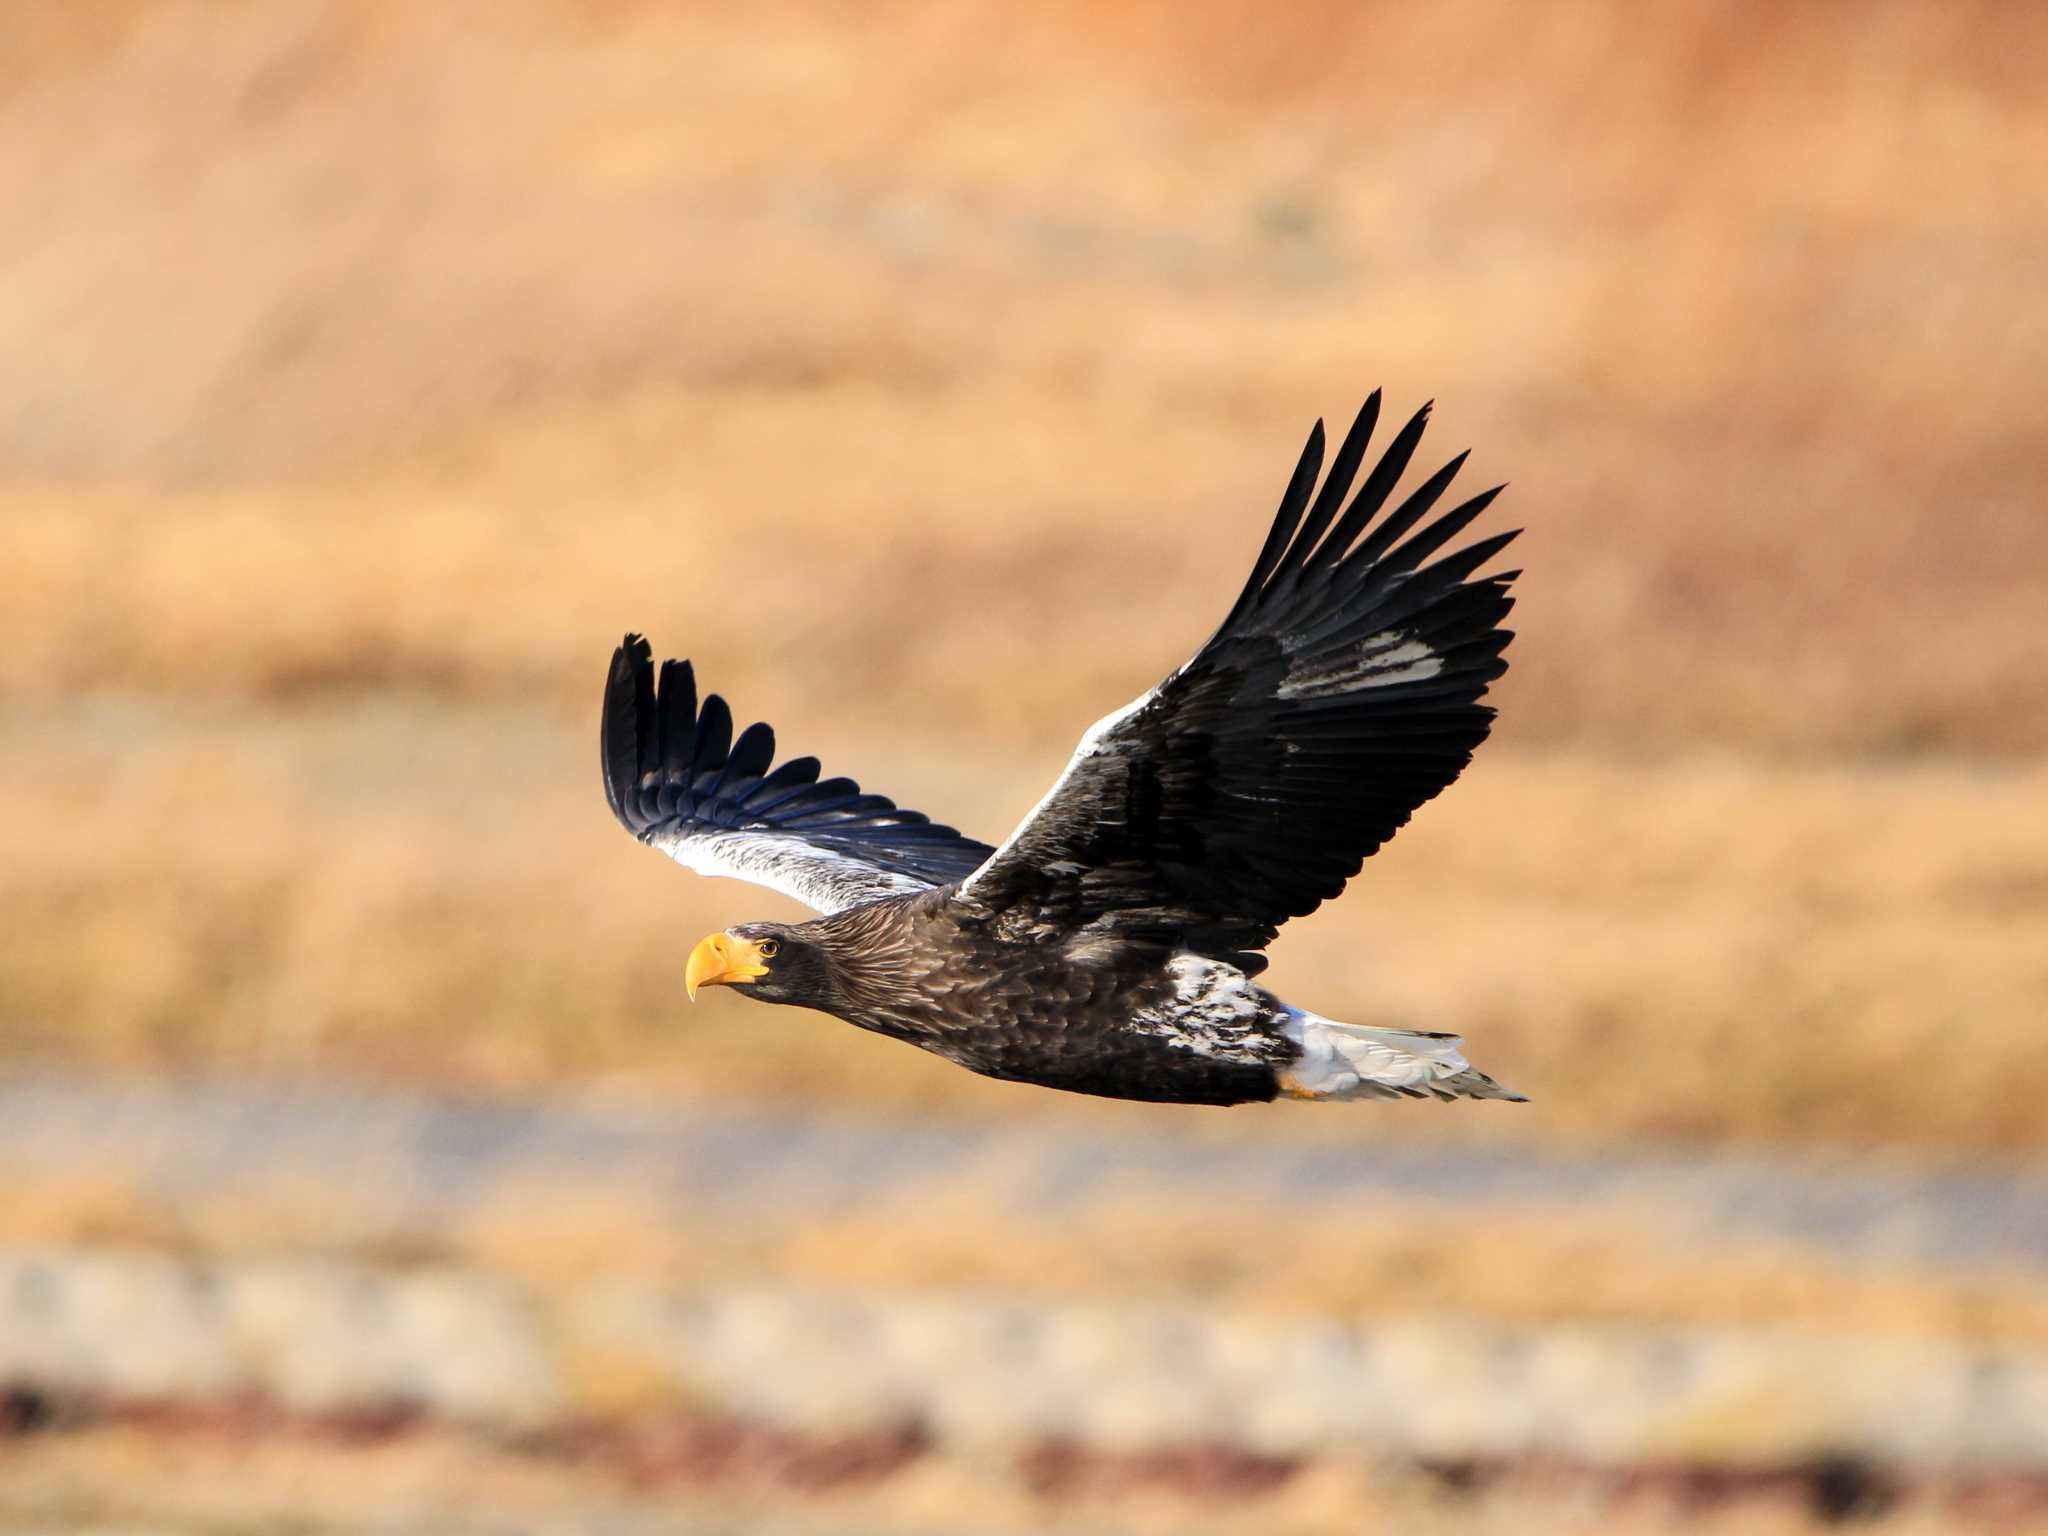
x=1353, y=1061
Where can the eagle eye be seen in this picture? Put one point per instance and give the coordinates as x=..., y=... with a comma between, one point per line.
x=766, y=948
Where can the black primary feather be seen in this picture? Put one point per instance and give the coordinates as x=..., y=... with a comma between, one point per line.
x=673, y=769
x=1340, y=693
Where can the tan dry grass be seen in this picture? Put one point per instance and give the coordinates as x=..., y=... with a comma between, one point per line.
x=824, y=584
x=1535, y=1265
x=1719, y=951
x=353, y=350
x=366, y=366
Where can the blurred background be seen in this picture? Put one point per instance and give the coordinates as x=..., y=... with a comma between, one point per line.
x=928, y=374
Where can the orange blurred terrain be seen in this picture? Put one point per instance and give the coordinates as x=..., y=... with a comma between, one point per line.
x=928, y=373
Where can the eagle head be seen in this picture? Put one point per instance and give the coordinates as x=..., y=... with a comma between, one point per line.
x=767, y=960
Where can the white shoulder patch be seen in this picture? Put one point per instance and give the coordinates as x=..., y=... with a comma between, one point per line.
x=1090, y=745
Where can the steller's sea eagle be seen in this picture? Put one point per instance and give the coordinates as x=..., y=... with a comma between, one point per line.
x=1109, y=945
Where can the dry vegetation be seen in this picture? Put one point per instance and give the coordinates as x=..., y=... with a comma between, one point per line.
x=926, y=372
x=440, y=1481
x=370, y=371
x=1694, y=948
x=1538, y=1264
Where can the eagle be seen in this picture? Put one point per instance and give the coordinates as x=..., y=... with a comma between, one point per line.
x=1111, y=944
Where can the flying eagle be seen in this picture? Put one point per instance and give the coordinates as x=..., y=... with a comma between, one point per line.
x=1109, y=945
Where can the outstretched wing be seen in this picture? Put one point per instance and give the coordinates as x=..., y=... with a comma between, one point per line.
x=1340, y=693
x=679, y=781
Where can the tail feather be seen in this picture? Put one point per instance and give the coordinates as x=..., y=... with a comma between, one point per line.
x=1355, y=1061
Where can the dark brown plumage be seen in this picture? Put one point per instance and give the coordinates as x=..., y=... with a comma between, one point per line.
x=1108, y=946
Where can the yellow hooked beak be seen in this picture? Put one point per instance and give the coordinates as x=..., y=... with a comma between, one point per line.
x=721, y=961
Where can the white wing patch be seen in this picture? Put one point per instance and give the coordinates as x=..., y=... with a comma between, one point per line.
x=823, y=879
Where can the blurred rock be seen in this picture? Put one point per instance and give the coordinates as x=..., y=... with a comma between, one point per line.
x=327, y=1339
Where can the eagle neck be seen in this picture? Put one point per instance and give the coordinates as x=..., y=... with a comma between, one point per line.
x=873, y=953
